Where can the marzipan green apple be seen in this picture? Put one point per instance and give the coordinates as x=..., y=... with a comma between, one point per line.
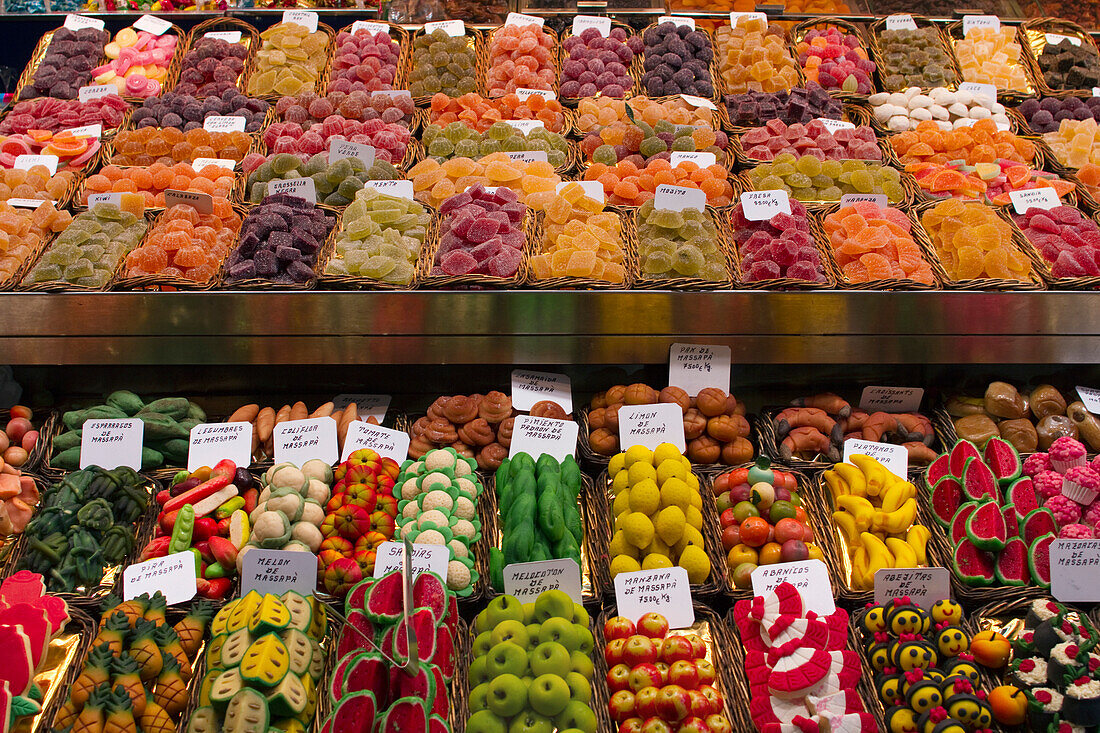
x=580, y=688
x=513, y=631
x=580, y=616
x=550, y=658
x=528, y=613
x=561, y=631
x=484, y=721
x=478, y=672
x=548, y=695
x=581, y=663
x=553, y=603
x=533, y=629
x=506, y=658
x=503, y=608
x=577, y=715
x=482, y=644
x=479, y=697
x=530, y=722
x=507, y=695
x=570, y=730
x=585, y=641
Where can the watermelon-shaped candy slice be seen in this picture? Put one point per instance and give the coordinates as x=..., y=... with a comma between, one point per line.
x=353, y=713
x=963, y=451
x=444, y=657
x=385, y=599
x=423, y=622
x=974, y=566
x=1036, y=524
x=1038, y=558
x=1012, y=563
x=937, y=469
x=436, y=724
x=356, y=634
x=429, y=591
x=946, y=497
x=367, y=671
x=5, y=705
x=356, y=599
x=1012, y=522
x=407, y=715
x=1003, y=460
x=986, y=527
x=979, y=481
x=958, y=522
x=420, y=685
x=1021, y=494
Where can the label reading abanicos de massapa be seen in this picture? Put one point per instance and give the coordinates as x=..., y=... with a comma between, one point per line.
x=277, y=571
x=695, y=367
x=651, y=425
x=536, y=436
x=526, y=580
x=663, y=590
x=529, y=387
x=383, y=441
x=811, y=577
x=924, y=586
x=209, y=443
x=894, y=457
x=298, y=441
x=112, y=443
x=763, y=205
x=173, y=575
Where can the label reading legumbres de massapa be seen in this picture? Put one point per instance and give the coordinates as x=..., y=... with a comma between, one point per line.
x=651, y=425
x=209, y=443
x=763, y=205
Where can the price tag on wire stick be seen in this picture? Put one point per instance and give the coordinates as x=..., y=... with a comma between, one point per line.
x=651, y=425
x=900, y=22
x=526, y=580
x=209, y=443
x=112, y=443
x=811, y=577
x=153, y=24
x=529, y=387
x=522, y=19
x=367, y=405
x=79, y=22
x=663, y=590
x=678, y=198
x=538, y=435
x=383, y=441
x=1073, y=568
x=277, y=571
x=26, y=162
x=1091, y=398
x=878, y=199
x=924, y=585
x=96, y=91
x=173, y=575
x=453, y=28
x=602, y=24
x=1034, y=198
x=763, y=205
x=303, y=188
x=338, y=149
x=972, y=22
x=298, y=441
x=306, y=18
x=891, y=399
x=227, y=36
x=894, y=457
x=425, y=559
x=200, y=202
x=677, y=20
x=694, y=367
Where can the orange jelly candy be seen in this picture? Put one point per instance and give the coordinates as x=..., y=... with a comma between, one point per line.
x=627, y=185
x=521, y=57
x=148, y=145
x=593, y=112
x=151, y=182
x=36, y=183
x=434, y=182
x=184, y=243
x=479, y=113
x=580, y=239
x=23, y=231
x=871, y=243
x=980, y=143
x=972, y=241
x=753, y=57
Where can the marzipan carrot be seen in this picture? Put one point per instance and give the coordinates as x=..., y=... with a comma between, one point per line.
x=247, y=413
x=299, y=411
x=265, y=423
x=324, y=410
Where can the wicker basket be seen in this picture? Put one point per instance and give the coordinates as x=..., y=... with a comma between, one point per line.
x=474, y=39
x=714, y=122
x=401, y=37
x=174, y=65
x=424, y=117
x=63, y=663
x=428, y=258
x=257, y=283
x=37, y=55
x=635, y=70
x=725, y=246
x=879, y=26
x=250, y=39
x=572, y=157
x=1032, y=36
x=14, y=282
x=322, y=77
x=888, y=156
x=786, y=283
x=844, y=26
x=716, y=96
x=856, y=113
x=723, y=84
x=1040, y=263
x=555, y=59
x=954, y=33
x=628, y=238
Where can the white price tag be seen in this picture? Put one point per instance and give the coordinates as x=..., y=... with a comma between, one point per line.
x=453, y=28
x=544, y=93
x=972, y=22
x=400, y=189
x=698, y=101
x=114, y=197
x=199, y=163
x=26, y=162
x=527, y=156
x=835, y=125
x=891, y=399
x=392, y=93
x=277, y=571
x=383, y=441
x=530, y=387
x=26, y=203
x=367, y=405
x=538, y=435
x=878, y=199
x=1034, y=198
x=111, y=443
x=894, y=457
x=92, y=131
x=736, y=18
x=1055, y=38
x=592, y=189
x=524, y=126
x=526, y=580
x=811, y=577
x=1073, y=567
x=372, y=27
x=521, y=19
x=224, y=123
x=173, y=575
x=677, y=20
x=303, y=188
x=651, y=425
x=763, y=205
x=305, y=18
x=200, y=202
x=79, y=22
x=1096, y=91
x=695, y=367
x=228, y=36
x=1090, y=397
x=703, y=159
x=900, y=22
x=581, y=23
x=95, y=91
x=153, y=24
x=298, y=441
x=924, y=586
x=213, y=442
x=664, y=590
x=425, y=559
x=985, y=91
x=339, y=149
x=678, y=198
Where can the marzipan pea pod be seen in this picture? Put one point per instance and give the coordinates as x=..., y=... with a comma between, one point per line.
x=181, y=533
x=1088, y=426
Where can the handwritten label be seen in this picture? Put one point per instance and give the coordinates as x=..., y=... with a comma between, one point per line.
x=538, y=435
x=527, y=156
x=425, y=559
x=305, y=18
x=200, y=163
x=200, y=202
x=970, y=122
x=1096, y=91
x=985, y=91
x=112, y=443
x=736, y=18
x=1073, y=568
x=173, y=575
x=698, y=101
x=894, y=457
x=521, y=19
x=392, y=93
x=651, y=425
x=530, y=387
x=678, y=198
x=90, y=131
x=371, y=27
x=835, y=125
x=900, y=22
x=924, y=585
x=400, y=189
x=677, y=20
x=891, y=399
x=367, y=405
x=26, y=162
x=592, y=189
x=703, y=159
x=1055, y=38
x=277, y=571
x=339, y=149
x=581, y=23
x=1091, y=398
x=224, y=123
x=298, y=441
x=453, y=28
x=303, y=188
x=972, y=22
x=96, y=91
x=695, y=367
x=213, y=442
x=526, y=580
x=1034, y=198
x=878, y=199
x=524, y=126
x=664, y=590
x=763, y=205
x=26, y=203
x=545, y=93
x=78, y=22
x=385, y=442
x=228, y=36
x=113, y=197
x=811, y=577
x=153, y=24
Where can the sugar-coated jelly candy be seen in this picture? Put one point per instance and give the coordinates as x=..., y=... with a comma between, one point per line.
x=87, y=252
x=674, y=244
x=780, y=247
x=186, y=244
x=281, y=239
x=443, y=64
x=481, y=233
x=972, y=242
x=380, y=238
x=872, y=243
x=580, y=239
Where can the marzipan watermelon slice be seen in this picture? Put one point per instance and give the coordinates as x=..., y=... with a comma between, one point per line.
x=436, y=724
x=1012, y=563
x=946, y=497
x=444, y=657
x=1012, y=522
x=1036, y=524
x=937, y=469
x=958, y=522
x=397, y=638
x=979, y=481
x=353, y=712
x=1038, y=558
x=1021, y=493
x=356, y=599
x=986, y=527
x=350, y=640
x=385, y=599
x=429, y=591
x=406, y=715
x=1003, y=460
x=441, y=703
x=974, y=566
x=420, y=685
x=367, y=671
x=963, y=451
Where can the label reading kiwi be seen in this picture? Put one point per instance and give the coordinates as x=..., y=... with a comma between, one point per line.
x=26, y=162
x=112, y=443
x=651, y=425
x=425, y=559
x=383, y=441
x=112, y=197
x=895, y=458
x=298, y=441
x=1073, y=567
x=209, y=443
x=172, y=575
x=526, y=580
x=924, y=586
x=663, y=590
x=695, y=367
x=537, y=436
x=277, y=571
x=811, y=577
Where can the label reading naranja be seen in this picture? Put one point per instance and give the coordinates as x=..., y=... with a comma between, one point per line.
x=1054, y=38
x=224, y=123
x=971, y=22
x=527, y=156
x=678, y=198
x=200, y=202
x=663, y=590
x=677, y=20
x=581, y=23
x=891, y=399
x=835, y=125
x=894, y=457
x=339, y=149
x=924, y=585
x=383, y=441
x=153, y=24
x=811, y=577
x=544, y=93
x=27, y=203
x=173, y=575
x=77, y=22
x=763, y=205
x=303, y=188
x=400, y=189
x=695, y=367
x=1034, y=198
x=298, y=441
x=227, y=36
x=453, y=28
x=277, y=571
x=26, y=162
x=592, y=189
x=209, y=443
x=522, y=19
x=526, y=580
x=305, y=18
x=112, y=443
x=900, y=22
x=96, y=91
x=985, y=91
x=878, y=199
x=651, y=425
x=529, y=387
x=701, y=159
x=372, y=27
x=367, y=405
x=425, y=559
x=538, y=435
x=698, y=101
x=1091, y=398
x=1073, y=568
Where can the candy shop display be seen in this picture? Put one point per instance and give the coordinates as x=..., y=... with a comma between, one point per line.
x=443, y=64
x=677, y=60
x=676, y=244
x=836, y=59
x=212, y=66
x=67, y=64
x=801, y=104
x=521, y=57
x=335, y=183
x=1074, y=144
x=481, y=113
x=1067, y=65
x=988, y=182
x=476, y=426
x=73, y=151
x=290, y=60
x=188, y=112
x=90, y=248
x=914, y=57
x=982, y=142
x=598, y=65
x=482, y=233
x=815, y=139
x=580, y=239
x=168, y=146
x=310, y=107
x=24, y=231
x=992, y=56
x=779, y=247
x=754, y=56
x=364, y=61
x=973, y=242
x=595, y=113
x=390, y=140
x=456, y=140
x=55, y=115
x=435, y=182
x=904, y=110
x=872, y=243
x=626, y=184
x=642, y=143
x=1068, y=241
x=280, y=241
x=380, y=238
x=137, y=62
x=186, y=244
x=809, y=178
x=151, y=182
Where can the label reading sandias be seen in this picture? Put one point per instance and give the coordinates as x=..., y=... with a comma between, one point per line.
x=114, y=197
x=694, y=367
x=971, y=22
x=372, y=27
x=173, y=575
x=1054, y=38
x=303, y=188
x=665, y=591
x=651, y=425
x=698, y=101
x=521, y=19
x=453, y=28
x=524, y=126
x=924, y=585
x=835, y=125
x=581, y=23
x=112, y=443
x=298, y=441
x=213, y=442
x=26, y=162
x=367, y=405
x=383, y=441
x=526, y=580
x=153, y=24
x=986, y=91
x=763, y=205
x=95, y=91
x=592, y=189
x=425, y=559
x=400, y=189
x=224, y=123
x=1034, y=198
x=305, y=18
x=538, y=435
x=702, y=159
x=524, y=93
x=77, y=22
x=878, y=199
x=811, y=577
x=277, y=571
x=201, y=202
x=677, y=20
x=1073, y=568
x=227, y=36
x=339, y=149
x=894, y=457
x=1091, y=398
x=891, y=399
x=529, y=387
x=900, y=22
x=678, y=198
